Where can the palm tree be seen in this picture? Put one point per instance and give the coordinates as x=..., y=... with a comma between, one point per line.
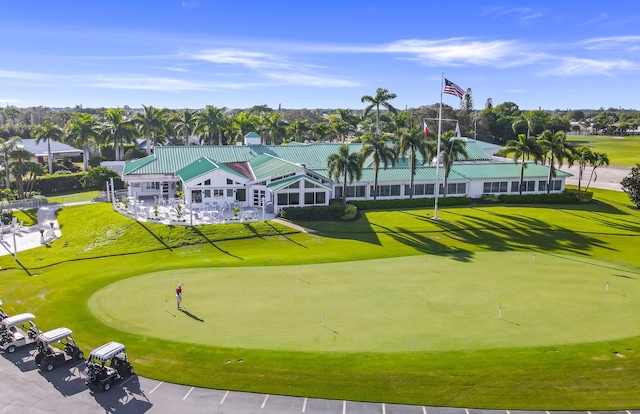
x=151, y=123
x=451, y=149
x=117, y=129
x=321, y=130
x=558, y=149
x=186, y=123
x=48, y=131
x=275, y=125
x=582, y=156
x=211, y=121
x=382, y=97
x=243, y=123
x=344, y=165
x=82, y=132
x=298, y=128
x=21, y=166
x=522, y=147
x=410, y=143
x=6, y=148
x=381, y=153
x=599, y=159
x=339, y=127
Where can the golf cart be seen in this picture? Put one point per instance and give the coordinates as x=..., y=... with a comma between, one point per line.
x=17, y=331
x=3, y=314
x=49, y=356
x=107, y=364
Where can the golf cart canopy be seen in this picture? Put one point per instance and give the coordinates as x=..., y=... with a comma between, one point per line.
x=17, y=320
x=54, y=335
x=107, y=351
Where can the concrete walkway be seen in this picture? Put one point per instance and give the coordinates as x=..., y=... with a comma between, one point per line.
x=30, y=237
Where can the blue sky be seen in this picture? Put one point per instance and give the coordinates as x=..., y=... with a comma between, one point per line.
x=318, y=54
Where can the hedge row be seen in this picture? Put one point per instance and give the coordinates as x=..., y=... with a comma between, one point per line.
x=410, y=203
x=568, y=197
x=72, y=182
x=319, y=213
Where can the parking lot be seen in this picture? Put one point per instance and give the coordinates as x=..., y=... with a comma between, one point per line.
x=25, y=389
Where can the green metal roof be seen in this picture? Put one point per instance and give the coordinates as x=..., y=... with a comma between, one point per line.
x=202, y=166
x=504, y=170
x=265, y=166
x=275, y=186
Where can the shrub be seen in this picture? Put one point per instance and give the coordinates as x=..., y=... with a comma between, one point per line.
x=410, y=203
x=133, y=153
x=95, y=161
x=493, y=198
x=563, y=198
x=350, y=212
x=631, y=185
x=320, y=213
x=96, y=177
x=58, y=183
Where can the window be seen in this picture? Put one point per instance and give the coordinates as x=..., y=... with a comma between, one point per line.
x=196, y=196
x=207, y=182
x=526, y=186
x=388, y=190
x=152, y=186
x=556, y=185
x=229, y=182
x=495, y=187
x=229, y=192
x=420, y=189
x=454, y=188
x=307, y=184
x=218, y=192
x=207, y=193
x=295, y=185
x=288, y=199
x=352, y=191
x=315, y=198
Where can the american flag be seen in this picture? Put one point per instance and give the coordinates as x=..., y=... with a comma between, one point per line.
x=453, y=89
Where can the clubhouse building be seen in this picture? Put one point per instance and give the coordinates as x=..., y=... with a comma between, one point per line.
x=295, y=175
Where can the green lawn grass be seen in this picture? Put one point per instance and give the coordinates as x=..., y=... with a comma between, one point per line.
x=74, y=197
x=27, y=217
x=622, y=151
x=57, y=283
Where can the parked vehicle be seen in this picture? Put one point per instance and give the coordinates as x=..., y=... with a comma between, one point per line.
x=106, y=365
x=17, y=331
x=49, y=356
x=3, y=314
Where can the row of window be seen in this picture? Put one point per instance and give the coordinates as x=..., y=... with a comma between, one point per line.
x=293, y=199
x=527, y=186
x=393, y=190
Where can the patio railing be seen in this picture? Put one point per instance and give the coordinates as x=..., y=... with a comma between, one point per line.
x=27, y=204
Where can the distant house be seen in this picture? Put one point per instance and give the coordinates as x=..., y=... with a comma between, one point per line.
x=297, y=176
x=41, y=152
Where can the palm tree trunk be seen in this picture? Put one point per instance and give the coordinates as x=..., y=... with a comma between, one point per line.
x=220, y=138
x=344, y=189
x=550, y=175
x=85, y=157
x=117, y=148
x=521, y=176
x=149, y=145
x=412, y=172
x=590, y=177
x=375, y=182
x=49, y=160
x=7, y=180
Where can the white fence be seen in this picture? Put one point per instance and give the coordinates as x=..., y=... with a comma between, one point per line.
x=27, y=204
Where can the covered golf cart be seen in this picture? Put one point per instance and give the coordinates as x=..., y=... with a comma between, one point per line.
x=107, y=364
x=49, y=356
x=17, y=331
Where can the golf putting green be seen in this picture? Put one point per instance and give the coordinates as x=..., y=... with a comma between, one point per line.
x=418, y=303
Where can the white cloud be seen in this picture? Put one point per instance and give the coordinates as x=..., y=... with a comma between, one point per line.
x=23, y=75
x=160, y=84
x=310, y=80
x=523, y=13
x=573, y=66
x=254, y=60
x=624, y=44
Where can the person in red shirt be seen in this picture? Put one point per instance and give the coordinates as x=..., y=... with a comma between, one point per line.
x=179, y=295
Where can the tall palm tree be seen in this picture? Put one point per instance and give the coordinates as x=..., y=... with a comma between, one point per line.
x=82, y=131
x=339, y=127
x=48, y=131
x=243, y=123
x=599, y=159
x=6, y=148
x=582, y=156
x=116, y=129
x=410, y=143
x=382, y=97
x=558, y=149
x=186, y=123
x=211, y=121
x=321, y=130
x=274, y=123
x=522, y=147
x=381, y=153
x=451, y=148
x=150, y=123
x=344, y=166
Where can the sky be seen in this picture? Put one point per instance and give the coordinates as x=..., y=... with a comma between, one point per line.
x=318, y=54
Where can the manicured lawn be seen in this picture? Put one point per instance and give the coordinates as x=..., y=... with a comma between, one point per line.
x=563, y=343
x=621, y=151
x=74, y=197
x=27, y=217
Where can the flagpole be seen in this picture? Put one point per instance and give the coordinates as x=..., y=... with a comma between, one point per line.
x=435, y=213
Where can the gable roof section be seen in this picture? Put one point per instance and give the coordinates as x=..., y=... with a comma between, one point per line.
x=277, y=185
x=265, y=166
x=201, y=166
x=133, y=166
x=41, y=149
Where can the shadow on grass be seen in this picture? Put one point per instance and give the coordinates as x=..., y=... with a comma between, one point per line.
x=199, y=233
x=285, y=236
x=154, y=235
x=191, y=315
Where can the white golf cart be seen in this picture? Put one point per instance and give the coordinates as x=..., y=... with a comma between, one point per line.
x=107, y=364
x=17, y=331
x=49, y=356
